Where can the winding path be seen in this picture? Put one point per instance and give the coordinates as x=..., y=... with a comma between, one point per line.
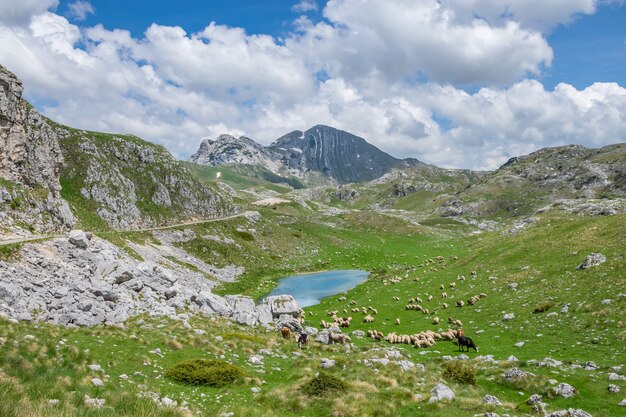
x=148, y=229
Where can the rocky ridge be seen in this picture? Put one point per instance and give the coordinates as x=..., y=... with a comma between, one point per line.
x=321, y=153
x=50, y=174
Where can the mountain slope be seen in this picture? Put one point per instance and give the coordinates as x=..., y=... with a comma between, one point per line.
x=109, y=181
x=320, y=152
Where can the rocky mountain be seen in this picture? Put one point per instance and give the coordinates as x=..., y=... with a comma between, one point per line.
x=52, y=175
x=547, y=176
x=320, y=152
x=31, y=161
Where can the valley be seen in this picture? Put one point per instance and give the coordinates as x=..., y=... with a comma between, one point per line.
x=172, y=261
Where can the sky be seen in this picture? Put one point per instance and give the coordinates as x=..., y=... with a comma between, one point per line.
x=457, y=83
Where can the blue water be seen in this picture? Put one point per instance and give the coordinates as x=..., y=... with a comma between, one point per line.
x=309, y=289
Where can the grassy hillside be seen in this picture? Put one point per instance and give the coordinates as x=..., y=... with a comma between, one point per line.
x=541, y=259
x=243, y=177
x=121, y=182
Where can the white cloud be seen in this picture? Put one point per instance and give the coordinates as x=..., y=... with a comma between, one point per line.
x=305, y=6
x=80, y=9
x=14, y=12
x=174, y=88
x=404, y=39
x=541, y=15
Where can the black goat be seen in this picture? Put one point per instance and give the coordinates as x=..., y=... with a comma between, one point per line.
x=466, y=341
x=304, y=340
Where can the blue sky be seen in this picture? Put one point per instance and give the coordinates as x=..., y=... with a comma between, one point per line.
x=462, y=84
x=592, y=48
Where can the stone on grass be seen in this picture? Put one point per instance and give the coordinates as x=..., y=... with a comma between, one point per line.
x=614, y=389
x=95, y=368
x=515, y=374
x=565, y=390
x=508, y=316
x=593, y=259
x=616, y=377
x=441, y=392
x=490, y=399
x=327, y=363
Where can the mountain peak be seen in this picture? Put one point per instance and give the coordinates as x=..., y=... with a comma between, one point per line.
x=321, y=151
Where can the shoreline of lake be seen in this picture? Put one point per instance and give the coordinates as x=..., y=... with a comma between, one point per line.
x=319, y=285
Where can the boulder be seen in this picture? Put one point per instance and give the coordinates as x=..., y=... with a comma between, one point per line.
x=264, y=313
x=79, y=239
x=240, y=303
x=283, y=304
x=593, y=259
x=490, y=399
x=515, y=374
x=565, y=390
x=441, y=392
x=211, y=303
x=327, y=363
x=286, y=320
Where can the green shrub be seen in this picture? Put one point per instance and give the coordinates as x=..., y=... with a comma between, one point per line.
x=324, y=384
x=542, y=307
x=461, y=372
x=209, y=372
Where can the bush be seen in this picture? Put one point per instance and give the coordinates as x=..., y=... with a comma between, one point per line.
x=461, y=372
x=209, y=372
x=542, y=307
x=324, y=384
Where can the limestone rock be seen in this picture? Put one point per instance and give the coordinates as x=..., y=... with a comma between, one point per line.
x=593, y=259
x=490, y=399
x=441, y=392
x=283, y=304
x=565, y=390
x=79, y=239
x=327, y=363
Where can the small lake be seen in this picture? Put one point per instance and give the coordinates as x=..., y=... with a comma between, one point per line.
x=309, y=289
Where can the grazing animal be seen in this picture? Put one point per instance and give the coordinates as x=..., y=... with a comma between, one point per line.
x=286, y=332
x=466, y=341
x=304, y=340
x=338, y=338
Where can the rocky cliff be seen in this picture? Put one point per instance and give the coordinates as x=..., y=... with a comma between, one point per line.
x=321, y=152
x=30, y=164
x=124, y=182
x=108, y=181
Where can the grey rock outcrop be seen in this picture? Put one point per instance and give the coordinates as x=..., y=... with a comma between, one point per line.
x=283, y=304
x=565, y=390
x=82, y=282
x=441, y=392
x=593, y=259
x=30, y=158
